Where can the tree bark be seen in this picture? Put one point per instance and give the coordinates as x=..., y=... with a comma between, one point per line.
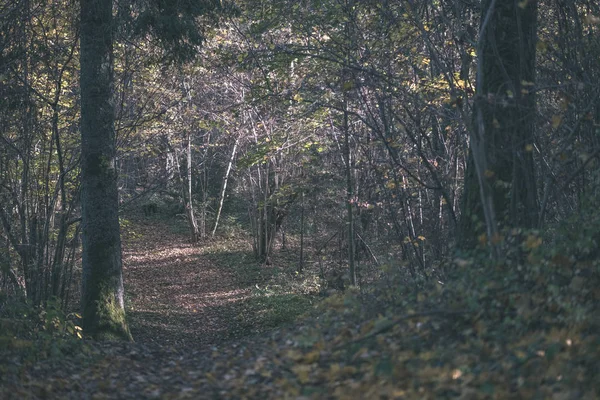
x=189, y=207
x=500, y=184
x=349, y=197
x=102, y=303
x=225, y=180
x=301, y=260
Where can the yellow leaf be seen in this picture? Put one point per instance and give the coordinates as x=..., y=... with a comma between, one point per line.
x=533, y=242
x=334, y=371
x=349, y=370
x=521, y=354
x=347, y=86
x=302, y=372
x=294, y=355
x=541, y=46
x=362, y=352
x=266, y=374
x=529, y=148
x=523, y=4
x=368, y=327
x=556, y=120
x=311, y=357
x=482, y=239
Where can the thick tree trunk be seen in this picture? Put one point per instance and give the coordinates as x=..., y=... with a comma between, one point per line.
x=102, y=287
x=500, y=184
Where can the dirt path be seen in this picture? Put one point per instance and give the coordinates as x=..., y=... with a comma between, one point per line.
x=184, y=303
x=175, y=294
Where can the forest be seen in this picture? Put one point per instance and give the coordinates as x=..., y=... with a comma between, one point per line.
x=300, y=199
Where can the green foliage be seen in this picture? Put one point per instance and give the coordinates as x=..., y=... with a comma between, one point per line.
x=268, y=309
x=30, y=333
x=127, y=229
x=180, y=27
x=579, y=234
x=276, y=298
x=523, y=328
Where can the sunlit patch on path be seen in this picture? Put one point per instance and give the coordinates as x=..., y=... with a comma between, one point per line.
x=175, y=295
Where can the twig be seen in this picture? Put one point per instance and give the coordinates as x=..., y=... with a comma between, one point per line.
x=395, y=321
x=368, y=248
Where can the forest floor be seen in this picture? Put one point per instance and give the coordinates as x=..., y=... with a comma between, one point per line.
x=176, y=295
x=194, y=296
x=183, y=302
x=211, y=323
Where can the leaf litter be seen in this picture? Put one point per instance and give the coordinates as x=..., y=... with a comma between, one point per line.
x=487, y=333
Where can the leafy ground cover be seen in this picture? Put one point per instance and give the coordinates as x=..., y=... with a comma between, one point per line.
x=525, y=327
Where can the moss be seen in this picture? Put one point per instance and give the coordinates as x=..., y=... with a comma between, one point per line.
x=110, y=319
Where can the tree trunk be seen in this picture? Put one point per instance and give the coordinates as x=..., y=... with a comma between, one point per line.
x=301, y=261
x=500, y=184
x=349, y=198
x=189, y=207
x=225, y=179
x=102, y=282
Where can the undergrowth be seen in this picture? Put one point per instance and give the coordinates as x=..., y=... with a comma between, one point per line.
x=29, y=334
x=523, y=325
x=277, y=296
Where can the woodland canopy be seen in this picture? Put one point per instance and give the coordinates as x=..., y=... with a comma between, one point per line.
x=299, y=199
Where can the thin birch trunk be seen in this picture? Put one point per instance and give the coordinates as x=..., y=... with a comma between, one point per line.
x=301, y=262
x=222, y=199
x=189, y=207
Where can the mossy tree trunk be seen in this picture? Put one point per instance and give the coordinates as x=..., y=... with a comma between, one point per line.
x=500, y=188
x=102, y=282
